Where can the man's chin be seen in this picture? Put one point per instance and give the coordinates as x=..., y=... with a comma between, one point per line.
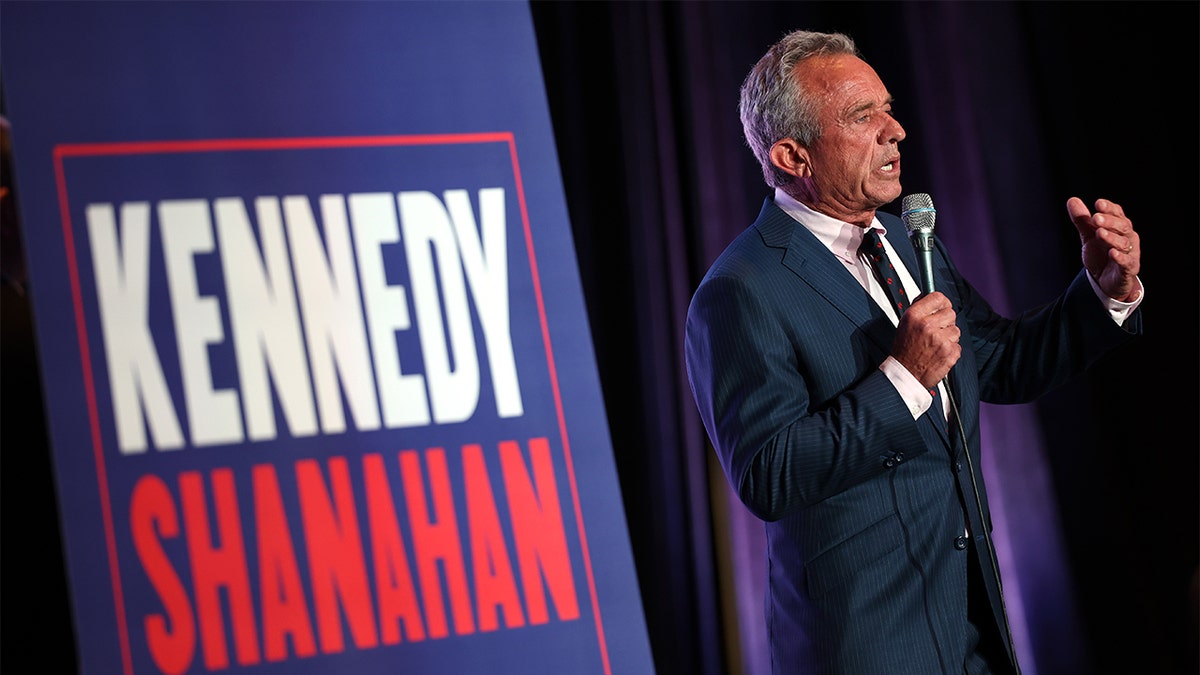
x=888, y=195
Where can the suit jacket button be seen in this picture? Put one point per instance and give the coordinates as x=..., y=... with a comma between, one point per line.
x=889, y=462
x=960, y=543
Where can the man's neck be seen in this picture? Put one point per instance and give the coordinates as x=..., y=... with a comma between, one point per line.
x=861, y=219
x=810, y=199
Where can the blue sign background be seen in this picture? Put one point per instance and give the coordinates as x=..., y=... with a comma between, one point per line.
x=124, y=102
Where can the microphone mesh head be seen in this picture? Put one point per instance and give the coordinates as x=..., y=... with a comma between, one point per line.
x=918, y=213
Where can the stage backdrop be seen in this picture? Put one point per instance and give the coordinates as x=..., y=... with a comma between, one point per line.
x=320, y=385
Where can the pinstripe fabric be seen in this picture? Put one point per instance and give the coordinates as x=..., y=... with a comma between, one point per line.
x=862, y=505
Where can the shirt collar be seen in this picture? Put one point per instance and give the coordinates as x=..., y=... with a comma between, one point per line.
x=841, y=238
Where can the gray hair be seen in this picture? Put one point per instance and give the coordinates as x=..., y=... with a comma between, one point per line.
x=773, y=106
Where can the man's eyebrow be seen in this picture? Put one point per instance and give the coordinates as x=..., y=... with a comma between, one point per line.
x=869, y=105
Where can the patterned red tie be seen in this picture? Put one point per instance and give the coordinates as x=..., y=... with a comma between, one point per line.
x=885, y=273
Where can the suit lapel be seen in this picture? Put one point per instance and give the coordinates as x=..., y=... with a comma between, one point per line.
x=812, y=262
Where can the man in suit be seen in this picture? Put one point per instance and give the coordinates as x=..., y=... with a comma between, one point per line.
x=840, y=420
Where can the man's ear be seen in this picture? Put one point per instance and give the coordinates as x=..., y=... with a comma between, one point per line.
x=791, y=157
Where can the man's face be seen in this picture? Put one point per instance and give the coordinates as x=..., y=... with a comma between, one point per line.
x=854, y=167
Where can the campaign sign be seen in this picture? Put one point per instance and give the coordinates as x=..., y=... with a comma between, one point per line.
x=320, y=387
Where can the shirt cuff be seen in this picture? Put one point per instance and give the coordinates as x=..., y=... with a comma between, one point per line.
x=916, y=397
x=1118, y=310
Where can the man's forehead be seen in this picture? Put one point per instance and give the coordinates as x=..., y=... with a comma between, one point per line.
x=844, y=81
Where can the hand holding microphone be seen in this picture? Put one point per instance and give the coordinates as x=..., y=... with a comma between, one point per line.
x=927, y=336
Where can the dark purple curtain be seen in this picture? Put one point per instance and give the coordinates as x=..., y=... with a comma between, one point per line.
x=1010, y=108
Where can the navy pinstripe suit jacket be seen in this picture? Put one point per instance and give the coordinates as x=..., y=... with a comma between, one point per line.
x=864, y=507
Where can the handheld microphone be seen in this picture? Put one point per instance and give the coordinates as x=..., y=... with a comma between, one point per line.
x=918, y=215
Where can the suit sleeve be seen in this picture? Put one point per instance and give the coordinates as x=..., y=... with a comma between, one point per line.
x=1022, y=358
x=752, y=373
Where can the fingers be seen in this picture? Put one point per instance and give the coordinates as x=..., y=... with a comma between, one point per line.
x=930, y=303
x=953, y=334
x=1116, y=230
x=1106, y=206
x=1122, y=241
x=935, y=315
x=1115, y=222
x=927, y=340
x=1109, y=215
x=1109, y=223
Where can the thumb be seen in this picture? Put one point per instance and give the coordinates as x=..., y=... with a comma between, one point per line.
x=1081, y=216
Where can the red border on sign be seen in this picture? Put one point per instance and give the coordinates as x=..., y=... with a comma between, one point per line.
x=62, y=152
